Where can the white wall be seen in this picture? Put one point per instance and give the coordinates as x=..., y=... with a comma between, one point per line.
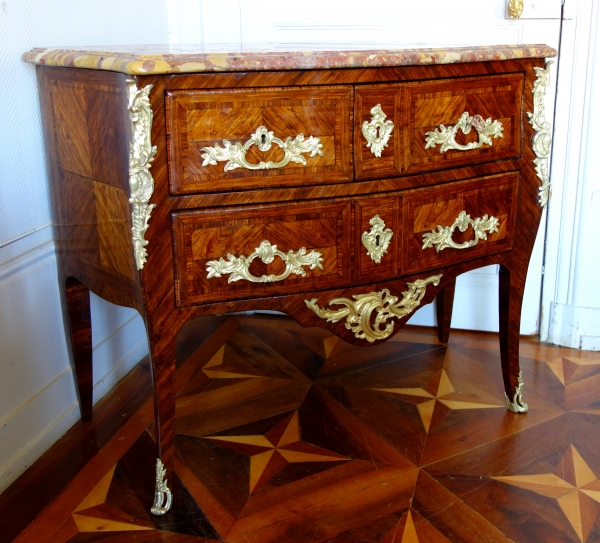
x=571, y=296
x=37, y=392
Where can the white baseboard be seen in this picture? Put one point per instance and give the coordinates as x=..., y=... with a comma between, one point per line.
x=38, y=402
x=33, y=428
x=575, y=327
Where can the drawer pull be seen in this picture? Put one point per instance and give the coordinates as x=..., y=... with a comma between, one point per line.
x=442, y=237
x=235, y=154
x=359, y=312
x=445, y=136
x=377, y=240
x=377, y=131
x=239, y=266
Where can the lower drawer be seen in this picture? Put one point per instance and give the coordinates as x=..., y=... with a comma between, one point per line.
x=458, y=222
x=253, y=252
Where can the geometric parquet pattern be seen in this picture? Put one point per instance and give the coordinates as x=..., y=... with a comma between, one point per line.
x=286, y=434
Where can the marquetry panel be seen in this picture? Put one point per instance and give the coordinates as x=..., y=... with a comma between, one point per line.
x=201, y=237
x=387, y=209
x=78, y=217
x=112, y=210
x=198, y=119
x=89, y=120
x=427, y=209
x=71, y=130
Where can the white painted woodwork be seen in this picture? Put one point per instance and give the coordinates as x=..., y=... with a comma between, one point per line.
x=571, y=296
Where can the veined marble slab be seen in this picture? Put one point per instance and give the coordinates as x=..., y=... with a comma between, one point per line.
x=165, y=59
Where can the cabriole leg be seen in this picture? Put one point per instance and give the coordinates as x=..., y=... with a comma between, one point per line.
x=510, y=302
x=80, y=323
x=443, y=305
x=162, y=352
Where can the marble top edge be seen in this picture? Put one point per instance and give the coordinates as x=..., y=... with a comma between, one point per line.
x=156, y=59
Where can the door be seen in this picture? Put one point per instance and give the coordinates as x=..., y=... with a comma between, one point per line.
x=349, y=24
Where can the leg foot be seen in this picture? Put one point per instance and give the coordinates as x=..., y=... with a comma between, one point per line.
x=162, y=352
x=511, y=289
x=517, y=405
x=162, y=496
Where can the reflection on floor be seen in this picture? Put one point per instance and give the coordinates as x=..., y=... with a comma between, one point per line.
x=289, y=434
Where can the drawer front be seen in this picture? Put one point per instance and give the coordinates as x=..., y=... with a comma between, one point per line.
x=246, y=139
x=434, y=125
x=459, y=222
x=255, y=252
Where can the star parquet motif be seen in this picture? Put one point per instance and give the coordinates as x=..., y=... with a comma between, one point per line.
x=436, y=398
x=290, y=434
x=272, y=451
x=573, y=484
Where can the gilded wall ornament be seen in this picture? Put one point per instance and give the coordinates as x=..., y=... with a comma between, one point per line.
x=235, y=154
x=377, y=131
x=515, y=8
x=163, y=497
x=141, y=155
x=442, y=237
x=377, y=240
x=542, y=139
x=368, y=313
x=239, y=266
x=445, y=135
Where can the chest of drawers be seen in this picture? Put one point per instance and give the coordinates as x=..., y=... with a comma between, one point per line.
x=346, y=189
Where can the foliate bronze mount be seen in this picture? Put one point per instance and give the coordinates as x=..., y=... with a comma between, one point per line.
x=442, y=237
x=235, y=154
x=446, y=135
x=377, y=240
x=541, y=141
x=238, y=267
x=377, y=131
x=141, y=155
x=368, y=313
x=517, y=405
x=163, y=498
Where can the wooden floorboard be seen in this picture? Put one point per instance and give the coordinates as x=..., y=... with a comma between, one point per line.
x=286, y=434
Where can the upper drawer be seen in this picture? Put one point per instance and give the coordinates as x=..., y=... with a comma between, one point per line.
x=247, y=139
x=260, y=251
x=437, y=124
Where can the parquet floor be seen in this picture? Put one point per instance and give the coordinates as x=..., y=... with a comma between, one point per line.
x=287, y=434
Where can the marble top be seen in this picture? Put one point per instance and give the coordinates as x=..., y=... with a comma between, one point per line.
x=166, y=59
